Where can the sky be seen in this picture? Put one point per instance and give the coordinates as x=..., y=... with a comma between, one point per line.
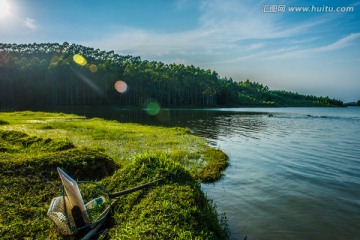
x=314, y=50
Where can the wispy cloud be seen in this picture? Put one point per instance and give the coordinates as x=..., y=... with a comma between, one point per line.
x=304, y=40
x=231, y=32
x=223, y=25
x=30, y=23
x=339, y=44
x=295, y=51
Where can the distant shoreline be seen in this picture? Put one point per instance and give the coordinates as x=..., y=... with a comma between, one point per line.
x=60, y=108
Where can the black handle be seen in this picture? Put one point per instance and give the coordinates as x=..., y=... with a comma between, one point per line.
x=117, y=194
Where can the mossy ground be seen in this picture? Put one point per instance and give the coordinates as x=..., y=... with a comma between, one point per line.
x=118, y=156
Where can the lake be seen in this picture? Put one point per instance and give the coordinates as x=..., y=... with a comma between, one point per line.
x=294, y=172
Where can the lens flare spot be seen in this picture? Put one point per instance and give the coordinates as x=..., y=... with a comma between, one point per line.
x=152, y=108
x=79, y=60
x=93, y=68
x=121, y=86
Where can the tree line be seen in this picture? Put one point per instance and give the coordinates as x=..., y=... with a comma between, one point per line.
x=52, y=74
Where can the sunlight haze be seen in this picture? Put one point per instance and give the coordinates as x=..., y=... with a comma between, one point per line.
x=4, y=8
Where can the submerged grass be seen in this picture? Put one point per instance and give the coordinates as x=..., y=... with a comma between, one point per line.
x=118, y=156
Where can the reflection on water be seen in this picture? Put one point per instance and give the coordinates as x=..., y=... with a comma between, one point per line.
x=291, y=176
x=207, y=123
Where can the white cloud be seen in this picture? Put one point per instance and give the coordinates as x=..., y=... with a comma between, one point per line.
x=30, y=24
x=231, y=31
x=339, y=44
x=237, y=19
x=304, y=40
x=224, y=25
x=256, y=46
x=141, y=42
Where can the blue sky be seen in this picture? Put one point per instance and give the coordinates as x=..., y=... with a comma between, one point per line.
x=308, y=52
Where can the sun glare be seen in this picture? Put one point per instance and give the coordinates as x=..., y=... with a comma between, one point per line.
x=4, y=8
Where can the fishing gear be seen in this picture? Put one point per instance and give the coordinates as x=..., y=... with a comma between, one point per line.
x=76, y=211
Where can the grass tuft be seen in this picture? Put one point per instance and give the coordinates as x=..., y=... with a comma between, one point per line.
x=176, y=209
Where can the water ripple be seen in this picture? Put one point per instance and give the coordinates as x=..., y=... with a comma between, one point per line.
x=293, y=176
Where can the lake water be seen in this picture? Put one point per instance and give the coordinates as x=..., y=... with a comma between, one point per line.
x=293, y=175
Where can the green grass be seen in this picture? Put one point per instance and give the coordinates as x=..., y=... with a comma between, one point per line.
x=122, y=141
x=176, y=209
x=118, y=156
x=30, y=181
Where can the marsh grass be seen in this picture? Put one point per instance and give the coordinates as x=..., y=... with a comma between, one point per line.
x=118, y=156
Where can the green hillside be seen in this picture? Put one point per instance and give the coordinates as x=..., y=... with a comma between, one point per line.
x=52, y=74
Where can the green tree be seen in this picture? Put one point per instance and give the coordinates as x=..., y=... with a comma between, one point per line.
x=45, y=74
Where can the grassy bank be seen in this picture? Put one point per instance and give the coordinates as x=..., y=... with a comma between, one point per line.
x=118, y=156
